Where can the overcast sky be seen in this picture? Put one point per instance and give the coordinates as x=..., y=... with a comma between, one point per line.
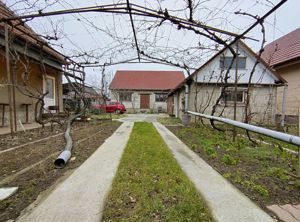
x=92, y=33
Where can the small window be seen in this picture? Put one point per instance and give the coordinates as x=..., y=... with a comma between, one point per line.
x=125, y=96
x=226, y=61
x=161, y=97
x=228, y=96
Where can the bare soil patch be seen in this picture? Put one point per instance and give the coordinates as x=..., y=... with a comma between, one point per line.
x=20, y=137
x=31, y=182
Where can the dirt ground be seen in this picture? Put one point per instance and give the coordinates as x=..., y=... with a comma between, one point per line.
x=263, y=173
x=31, y=167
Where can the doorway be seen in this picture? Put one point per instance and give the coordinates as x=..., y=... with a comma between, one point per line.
x=49, y=86
x=144, y=101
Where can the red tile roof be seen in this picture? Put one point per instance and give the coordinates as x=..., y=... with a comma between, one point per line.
x=284, y=49
x=146, y=80
x=24, y=32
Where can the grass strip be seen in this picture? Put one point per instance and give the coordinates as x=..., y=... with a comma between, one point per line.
x=150, y=185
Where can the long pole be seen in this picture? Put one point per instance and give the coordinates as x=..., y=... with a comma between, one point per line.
x=292, y=139
x=9, y=85
x=14, y=80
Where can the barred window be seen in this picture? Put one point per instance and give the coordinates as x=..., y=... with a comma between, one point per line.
x=125, y=96
x=161, y=97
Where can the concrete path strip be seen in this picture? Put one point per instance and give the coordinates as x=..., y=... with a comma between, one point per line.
x=227, y=204
x=81, y=196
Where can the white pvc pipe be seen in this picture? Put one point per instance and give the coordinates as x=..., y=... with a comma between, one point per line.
x=271, y=133
x=282, y=119
x=186, y=105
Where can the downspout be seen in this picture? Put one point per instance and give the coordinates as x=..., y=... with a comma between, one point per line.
x=186, y=104
x=176, y=103
x=186, y=118
x=283, y=109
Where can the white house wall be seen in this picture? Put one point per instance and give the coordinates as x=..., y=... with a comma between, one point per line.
x=212, y=73
x=206, y=89
x=262, y=102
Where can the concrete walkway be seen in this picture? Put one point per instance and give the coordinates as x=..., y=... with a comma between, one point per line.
x=227, y=204
x=81, y=196
x=142, y=117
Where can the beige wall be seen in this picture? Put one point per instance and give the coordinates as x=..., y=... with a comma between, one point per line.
x=179, y=99
x=35, y=85
x=292, y=75
x=134, y=105
x=202, y=99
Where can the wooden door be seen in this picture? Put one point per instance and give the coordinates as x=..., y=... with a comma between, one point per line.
x=144, y=101
x=170, y=105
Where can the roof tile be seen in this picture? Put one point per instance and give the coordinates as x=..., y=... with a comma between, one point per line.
x=26, y=33
x=284, y=49
x=146, y=80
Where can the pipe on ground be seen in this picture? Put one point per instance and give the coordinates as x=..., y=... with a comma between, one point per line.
x=256, y=129
x=63, y=158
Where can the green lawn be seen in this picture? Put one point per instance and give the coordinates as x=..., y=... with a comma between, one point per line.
x=149, y=184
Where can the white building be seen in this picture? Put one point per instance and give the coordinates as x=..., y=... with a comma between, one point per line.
x=144, y=91
x=205, y=84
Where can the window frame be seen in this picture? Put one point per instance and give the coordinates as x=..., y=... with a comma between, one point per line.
x=240, y=58
x=231, y=90
x=161, y=97
x=128, y=97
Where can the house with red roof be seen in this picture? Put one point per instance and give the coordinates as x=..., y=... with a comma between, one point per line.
x=202, y=90
x=283, y=55
x=35, y=68
x=144, y=91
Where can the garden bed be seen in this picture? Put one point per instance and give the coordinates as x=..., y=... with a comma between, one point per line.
x=31, y=167
x=263, y=172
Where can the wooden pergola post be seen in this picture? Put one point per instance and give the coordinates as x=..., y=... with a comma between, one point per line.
x=9, y=83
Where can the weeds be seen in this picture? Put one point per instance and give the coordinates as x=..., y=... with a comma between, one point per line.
x=229, y=160
x=263, y=171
